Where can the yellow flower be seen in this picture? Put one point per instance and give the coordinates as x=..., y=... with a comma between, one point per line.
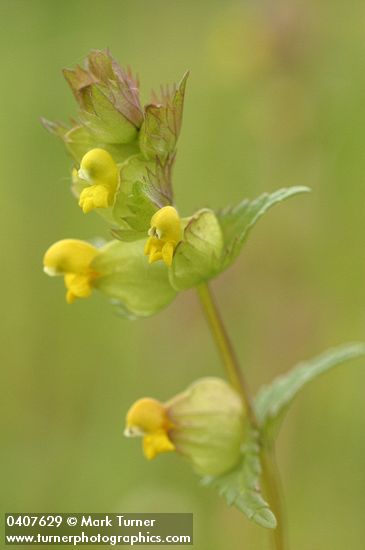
x=100, y=171
x=72, y=259
x=164, y=235
x=148, y=418
x=206, y=424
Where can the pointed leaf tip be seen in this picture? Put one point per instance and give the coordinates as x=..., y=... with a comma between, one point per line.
x=273, y=400
x=241, y=486
x=237, y=221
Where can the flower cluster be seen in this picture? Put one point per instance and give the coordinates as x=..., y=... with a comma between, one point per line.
x=122, y=157
x=122, y=160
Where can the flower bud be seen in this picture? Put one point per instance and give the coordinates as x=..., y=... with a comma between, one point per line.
x=206, y=424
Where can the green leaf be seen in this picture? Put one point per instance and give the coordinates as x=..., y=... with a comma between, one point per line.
x=159, y=181
x=241, y=486
x=197, y=256
x=79, y=80
x=78, y=141
x=105, y=121
x=103, y=88
x=125, y=233
x=161, y=127
x=124, y=275
x=273, y=400
x=141, y=208
x=237, y=221
x=119, y=84
x=57, y=128
x=133, y=207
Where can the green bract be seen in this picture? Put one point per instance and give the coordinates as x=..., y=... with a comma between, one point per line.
x=241, y=486
x=140, y=289
x=162, y=123
x=237, y=221
x=108, y=97
x=197, y=257
x=78, y=140
x=209, y=425
x=211, y=242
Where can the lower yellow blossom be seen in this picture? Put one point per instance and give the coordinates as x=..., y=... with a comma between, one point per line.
x=148, y=418
x=72, y=258
x=206, y=424
x=164, y=235
x=100, y=171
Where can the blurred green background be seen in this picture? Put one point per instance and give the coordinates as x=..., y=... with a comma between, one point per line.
x=275, y=98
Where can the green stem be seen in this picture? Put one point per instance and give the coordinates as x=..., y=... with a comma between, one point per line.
x=235, y=375
x=274, y=496
x=225, y=348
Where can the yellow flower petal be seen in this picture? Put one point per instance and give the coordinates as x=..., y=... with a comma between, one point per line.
x=98, y=169
x=95, y=196
x=72, y=259
x=69, y=256
x=156, y=443
x=148, y=418
x=167, y=224
x=148, y=415
x=79, y=285
x=168, y=253
x=165, y=234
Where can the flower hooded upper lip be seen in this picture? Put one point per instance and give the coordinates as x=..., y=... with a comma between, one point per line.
x=100, y=171
x=72, y=258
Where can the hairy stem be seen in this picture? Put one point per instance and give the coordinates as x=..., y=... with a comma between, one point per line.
x=237, y=379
